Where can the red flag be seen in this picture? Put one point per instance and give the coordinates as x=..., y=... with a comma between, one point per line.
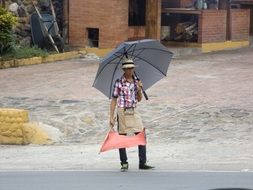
x=115, y=141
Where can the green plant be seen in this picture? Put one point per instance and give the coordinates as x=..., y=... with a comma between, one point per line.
x=7, y=21
x=24, y=52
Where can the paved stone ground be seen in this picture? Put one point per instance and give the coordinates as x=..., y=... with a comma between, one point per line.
x=200, y=117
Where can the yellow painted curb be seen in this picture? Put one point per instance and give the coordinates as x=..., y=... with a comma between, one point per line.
x=39, y=60
x=99, y=52
x=61, y=56
x=182, y=44
x=209, y=47
x=54, y=57
x=15, y=129
x=7, y=64
x=28, y=61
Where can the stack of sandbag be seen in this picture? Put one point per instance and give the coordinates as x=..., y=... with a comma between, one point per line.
x=15, y=128
x=11, y=125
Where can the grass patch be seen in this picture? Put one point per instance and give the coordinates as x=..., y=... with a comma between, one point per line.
x=24, y=52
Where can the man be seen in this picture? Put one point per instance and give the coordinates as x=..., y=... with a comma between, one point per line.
x=126, y=93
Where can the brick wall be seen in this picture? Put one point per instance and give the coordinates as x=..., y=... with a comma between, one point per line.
x=111, y=18
x=212, y=26
x=240, y=22
x=136, y=32
x=251, y=16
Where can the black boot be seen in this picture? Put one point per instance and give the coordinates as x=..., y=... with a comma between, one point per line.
x=145, y=166
x=124, y=167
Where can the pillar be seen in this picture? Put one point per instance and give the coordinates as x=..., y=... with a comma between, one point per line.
x=153, y=19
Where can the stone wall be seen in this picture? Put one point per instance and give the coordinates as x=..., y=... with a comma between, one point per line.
x=23, y=9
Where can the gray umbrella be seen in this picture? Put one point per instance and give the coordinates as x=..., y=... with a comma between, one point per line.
x=151, y=58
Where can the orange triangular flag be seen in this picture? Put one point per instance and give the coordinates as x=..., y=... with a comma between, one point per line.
x=115, y=141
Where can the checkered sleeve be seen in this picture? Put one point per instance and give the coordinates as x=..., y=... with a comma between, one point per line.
x=115, y=92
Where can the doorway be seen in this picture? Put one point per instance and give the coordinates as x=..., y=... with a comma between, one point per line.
x=93, y=37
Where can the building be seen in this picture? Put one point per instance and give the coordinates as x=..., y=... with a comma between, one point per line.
x=214, y=26
x=105, y=25
x=209, y=25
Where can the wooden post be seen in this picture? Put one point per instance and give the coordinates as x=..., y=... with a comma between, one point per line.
x=225, y=4
x=229, y=21
x=65, y=21
x=65, y=11
x=153, y=19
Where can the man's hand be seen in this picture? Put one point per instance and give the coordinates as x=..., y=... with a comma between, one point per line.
x=112, y=122
x=112, y=109
x=139, y=86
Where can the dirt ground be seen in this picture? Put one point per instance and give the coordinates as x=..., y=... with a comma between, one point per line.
x=200, y=117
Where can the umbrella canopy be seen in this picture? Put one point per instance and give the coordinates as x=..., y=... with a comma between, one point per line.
x=151, y=58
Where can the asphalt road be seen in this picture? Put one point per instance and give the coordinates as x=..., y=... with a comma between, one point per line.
x=94, y=180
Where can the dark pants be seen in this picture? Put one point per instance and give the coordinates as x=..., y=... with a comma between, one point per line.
x=142, y=154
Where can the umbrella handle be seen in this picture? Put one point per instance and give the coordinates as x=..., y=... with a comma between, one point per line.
x=145, y=94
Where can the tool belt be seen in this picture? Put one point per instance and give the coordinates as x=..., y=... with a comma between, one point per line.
x=129, y=111
x=129, y=120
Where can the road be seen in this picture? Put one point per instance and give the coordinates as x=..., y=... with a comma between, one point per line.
x=148, y=180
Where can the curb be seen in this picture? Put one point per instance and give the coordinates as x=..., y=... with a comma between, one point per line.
x=41, y=60
x=192, y=49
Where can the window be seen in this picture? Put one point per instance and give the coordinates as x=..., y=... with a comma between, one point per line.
x=93, y=37
x=136, y=13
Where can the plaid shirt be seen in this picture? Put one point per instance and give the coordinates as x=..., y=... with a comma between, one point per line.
x=126, y=92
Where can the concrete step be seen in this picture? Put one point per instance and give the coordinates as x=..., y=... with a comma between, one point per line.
x=184, y=51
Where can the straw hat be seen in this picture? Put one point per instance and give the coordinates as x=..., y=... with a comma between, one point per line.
x=127, y=63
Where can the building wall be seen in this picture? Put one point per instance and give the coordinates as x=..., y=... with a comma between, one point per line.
x=212, y=26
x=136, y=32
x=111, y=18
x=240, y=23
x=251, y=15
